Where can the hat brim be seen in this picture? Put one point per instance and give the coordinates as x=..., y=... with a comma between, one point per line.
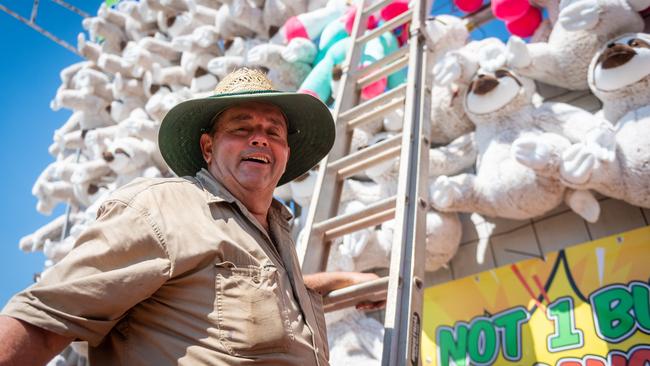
x=309, y=121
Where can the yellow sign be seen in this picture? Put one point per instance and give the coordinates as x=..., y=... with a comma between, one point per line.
x=588, y=305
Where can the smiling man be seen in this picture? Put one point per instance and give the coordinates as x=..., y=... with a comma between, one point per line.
x=197, y=270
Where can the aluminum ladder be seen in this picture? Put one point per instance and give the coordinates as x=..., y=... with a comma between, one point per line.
x=403, y=287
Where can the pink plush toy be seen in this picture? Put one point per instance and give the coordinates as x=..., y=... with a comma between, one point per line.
x=349, y=16
x=527, y=24
x=310, y=25
x=391, y=11
x=521, y=18
x=509, y=9
x=468, y=6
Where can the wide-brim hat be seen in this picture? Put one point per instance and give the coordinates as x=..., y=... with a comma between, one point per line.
x=309, y=122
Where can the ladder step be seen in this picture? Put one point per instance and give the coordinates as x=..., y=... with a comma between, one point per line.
x=376, y=6
x=376, y=113
x=374, y=290
x=383, y=67
x=388, y=26
x=374, y=214
x=361, y=160
x=374, y=103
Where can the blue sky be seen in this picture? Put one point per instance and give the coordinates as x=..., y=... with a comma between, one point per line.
x=29, y=75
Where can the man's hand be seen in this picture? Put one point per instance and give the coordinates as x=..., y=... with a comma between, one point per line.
x=326, y=282
x=24, y=344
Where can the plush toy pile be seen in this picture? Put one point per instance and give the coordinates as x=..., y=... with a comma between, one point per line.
x=496, y=150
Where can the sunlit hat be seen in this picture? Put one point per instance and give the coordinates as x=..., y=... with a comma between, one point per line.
x=310, y=123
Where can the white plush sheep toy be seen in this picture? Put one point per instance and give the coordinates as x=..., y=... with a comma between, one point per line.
x=583, y=27
x=500, y=105
x=619, y=75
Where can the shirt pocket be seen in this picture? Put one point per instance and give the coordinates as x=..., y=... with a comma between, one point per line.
x=251, y=316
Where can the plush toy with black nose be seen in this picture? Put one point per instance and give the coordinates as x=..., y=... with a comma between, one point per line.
x=583, y=27
x=500, y=105
x=619, y=75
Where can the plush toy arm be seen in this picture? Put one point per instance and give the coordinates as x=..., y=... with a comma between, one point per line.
x=578, y=125
x=447, y=69
x=579, y=15
x=453, y=158
x=639, y=5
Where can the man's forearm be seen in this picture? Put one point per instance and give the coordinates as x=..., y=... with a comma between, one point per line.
x=325, y=282
x=24, y=344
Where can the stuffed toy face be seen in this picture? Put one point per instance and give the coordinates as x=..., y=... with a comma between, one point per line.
x=490, y=92
x=623, y=62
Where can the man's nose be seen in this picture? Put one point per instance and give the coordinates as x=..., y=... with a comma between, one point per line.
x=259, y=138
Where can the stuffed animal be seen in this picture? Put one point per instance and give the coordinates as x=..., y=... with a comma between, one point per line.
x=288, y=65
x=619, y=75
x=113, y=37
x=455, y=64
x=53, y=185
x=500, y=105
x=310, y=25
x=228, y=27
x=129, y=158
x=354, y=338
x=582, y=28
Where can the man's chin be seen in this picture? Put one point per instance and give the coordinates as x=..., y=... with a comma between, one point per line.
x=255, y=182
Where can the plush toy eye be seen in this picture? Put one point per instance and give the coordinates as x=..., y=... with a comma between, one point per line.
x=500, y=73
x=638, y=43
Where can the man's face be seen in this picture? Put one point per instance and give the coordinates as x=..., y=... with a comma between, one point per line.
x=249, y=148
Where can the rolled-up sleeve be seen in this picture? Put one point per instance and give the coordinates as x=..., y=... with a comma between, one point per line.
x=119, y=261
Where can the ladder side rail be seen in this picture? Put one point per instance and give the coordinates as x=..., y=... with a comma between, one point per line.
x=403, y=321
x=312, y=252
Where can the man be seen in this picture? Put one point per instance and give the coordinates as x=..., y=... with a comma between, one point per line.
x=199, y=269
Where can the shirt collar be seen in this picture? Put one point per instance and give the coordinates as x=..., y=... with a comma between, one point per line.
x=218, y=193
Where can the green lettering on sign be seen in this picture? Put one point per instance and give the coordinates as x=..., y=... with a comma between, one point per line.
x=612, y=307
x=482, y=341
x=452, y=345
x=641, y=296
x=510, y=323
x=566, y=335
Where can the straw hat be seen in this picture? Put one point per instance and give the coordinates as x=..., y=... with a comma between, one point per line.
x=310, y=123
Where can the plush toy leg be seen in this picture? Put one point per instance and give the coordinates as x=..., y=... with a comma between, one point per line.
x=484, y=230
x=542, y=153
x=583, y=203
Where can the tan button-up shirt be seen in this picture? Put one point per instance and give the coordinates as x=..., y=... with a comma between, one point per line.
x=177, y=271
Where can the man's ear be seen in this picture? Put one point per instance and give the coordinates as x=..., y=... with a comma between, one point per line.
x=206, y=147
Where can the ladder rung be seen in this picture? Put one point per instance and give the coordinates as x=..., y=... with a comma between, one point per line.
x=370, y=69
x=374, y=290
x=388, y=26
x=384, y=71
x=362, y=159
x=373, y=103
x=375, y=113
x=376, y=6
x=371, y=215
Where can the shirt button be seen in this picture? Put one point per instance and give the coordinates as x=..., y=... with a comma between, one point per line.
x=256, y=279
